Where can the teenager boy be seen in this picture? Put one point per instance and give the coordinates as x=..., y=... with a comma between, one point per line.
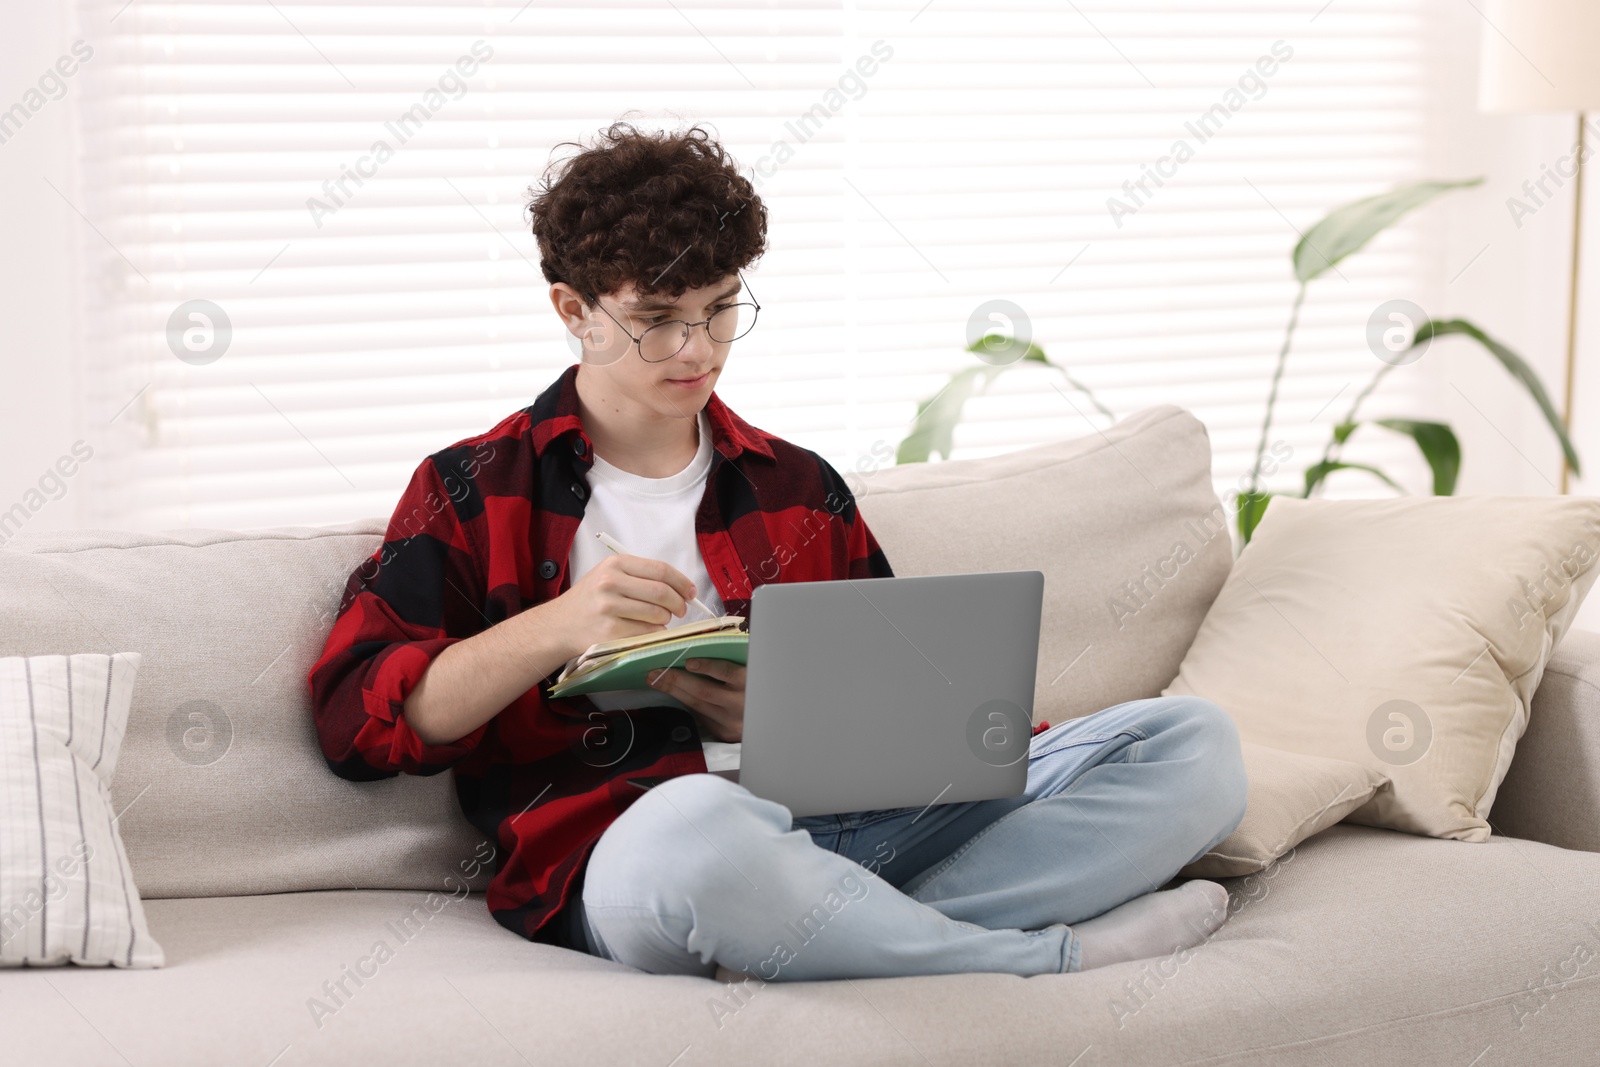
x=612, y=838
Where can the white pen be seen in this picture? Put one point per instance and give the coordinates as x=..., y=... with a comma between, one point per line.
x=614, y=545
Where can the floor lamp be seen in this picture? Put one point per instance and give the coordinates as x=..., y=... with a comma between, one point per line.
x=1540, y=55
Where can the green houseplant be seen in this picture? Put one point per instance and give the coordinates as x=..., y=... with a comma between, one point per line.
x=1343, y=232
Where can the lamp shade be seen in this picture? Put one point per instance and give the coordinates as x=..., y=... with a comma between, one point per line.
x=1540, y=55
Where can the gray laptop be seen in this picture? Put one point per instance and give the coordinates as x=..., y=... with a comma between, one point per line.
x=891, y=692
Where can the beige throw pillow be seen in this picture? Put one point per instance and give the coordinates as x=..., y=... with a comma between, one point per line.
x=1407, y=635
x=1291, y=797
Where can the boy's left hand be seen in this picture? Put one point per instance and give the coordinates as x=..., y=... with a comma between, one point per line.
x=716, y=702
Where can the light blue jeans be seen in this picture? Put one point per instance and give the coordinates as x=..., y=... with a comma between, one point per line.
x=700, y=872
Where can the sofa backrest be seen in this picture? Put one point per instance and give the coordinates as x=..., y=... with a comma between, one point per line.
x=222, y=787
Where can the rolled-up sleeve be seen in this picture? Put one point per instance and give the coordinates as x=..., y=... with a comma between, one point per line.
x=418, y=594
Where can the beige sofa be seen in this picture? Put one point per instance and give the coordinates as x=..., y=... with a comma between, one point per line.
x=267, y=879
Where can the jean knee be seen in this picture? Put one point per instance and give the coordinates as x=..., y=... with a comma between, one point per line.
x=674, y=843
x=1214, y=749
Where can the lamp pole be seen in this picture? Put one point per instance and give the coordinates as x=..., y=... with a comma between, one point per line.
x=1550, y=68
x=1572, y=300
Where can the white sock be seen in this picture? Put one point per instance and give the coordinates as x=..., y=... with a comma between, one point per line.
x=1153, y=925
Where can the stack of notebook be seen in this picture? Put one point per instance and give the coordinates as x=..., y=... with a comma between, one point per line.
x=612, y=666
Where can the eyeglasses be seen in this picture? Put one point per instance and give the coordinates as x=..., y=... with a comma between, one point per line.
x=666, y=339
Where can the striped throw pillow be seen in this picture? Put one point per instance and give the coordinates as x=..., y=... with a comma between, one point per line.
x=66, y=891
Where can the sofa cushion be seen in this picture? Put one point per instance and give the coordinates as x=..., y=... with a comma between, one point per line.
x=221, y=753
x=1125, y=525
x=1406, y=634
x=1361, y=946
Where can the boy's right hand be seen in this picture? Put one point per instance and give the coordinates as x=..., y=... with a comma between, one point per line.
x=622, y=596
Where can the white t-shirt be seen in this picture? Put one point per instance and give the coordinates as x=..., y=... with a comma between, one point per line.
x=654, y=518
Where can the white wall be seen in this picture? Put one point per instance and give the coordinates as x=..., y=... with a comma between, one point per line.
x=39, y=314
x=1516, y=289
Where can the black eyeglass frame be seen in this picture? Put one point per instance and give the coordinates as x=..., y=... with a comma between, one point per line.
x=638, y=342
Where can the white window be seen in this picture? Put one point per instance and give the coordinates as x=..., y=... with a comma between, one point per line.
x=385, y=302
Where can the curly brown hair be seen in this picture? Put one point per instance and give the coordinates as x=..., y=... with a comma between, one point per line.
x=666, y=212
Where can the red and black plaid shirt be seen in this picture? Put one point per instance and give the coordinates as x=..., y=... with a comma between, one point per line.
x=482, y=533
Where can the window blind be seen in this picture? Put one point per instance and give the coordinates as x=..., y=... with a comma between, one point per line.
x=342, y=186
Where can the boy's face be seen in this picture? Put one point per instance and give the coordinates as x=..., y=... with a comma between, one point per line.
x=678, y=384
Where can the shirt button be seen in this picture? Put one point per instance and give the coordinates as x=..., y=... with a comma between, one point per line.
x=579, y=491
x=578, y=447
x=548, y=569
x=680, y=734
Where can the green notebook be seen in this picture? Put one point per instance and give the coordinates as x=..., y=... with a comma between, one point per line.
x=628, y=670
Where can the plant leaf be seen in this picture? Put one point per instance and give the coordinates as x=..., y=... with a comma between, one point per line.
x=1347, y=229
x=1341, y=432
x=1251, y=507
x=1034, y=352
x=1439, y=447
x=933, y=428
x=1515, y=365
x=1318, y=471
